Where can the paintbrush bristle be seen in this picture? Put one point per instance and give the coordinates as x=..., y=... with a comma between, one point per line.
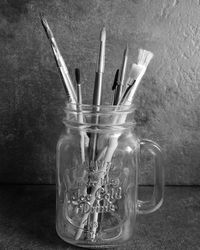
x=41, y=15
x=60, y=62
x=77, y=75
x=126, y=51
x=136, y=74
x=116, y=80
x=46, y=26
x=103, y=34
x=135, y=71
x=144, y=57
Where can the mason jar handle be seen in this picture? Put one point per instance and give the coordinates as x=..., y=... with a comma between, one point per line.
x=145, y=207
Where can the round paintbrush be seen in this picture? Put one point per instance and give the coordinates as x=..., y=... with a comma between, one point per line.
x=79, y=92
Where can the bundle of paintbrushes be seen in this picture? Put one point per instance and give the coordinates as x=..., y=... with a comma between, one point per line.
x=124, y=91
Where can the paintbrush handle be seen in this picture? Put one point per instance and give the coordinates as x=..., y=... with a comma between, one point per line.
x=97, y=94
x=95, y=118
x=113, y=142
x=60, y=62
x=117, y=95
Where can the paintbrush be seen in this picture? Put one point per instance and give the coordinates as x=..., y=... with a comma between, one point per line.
x=79, y=92
x=123, y=69
x=115, y=80
x=80, y=114
x=120, y=85
x=115, y=87
x=67, y=82
x=97, y=94
x=137, y=72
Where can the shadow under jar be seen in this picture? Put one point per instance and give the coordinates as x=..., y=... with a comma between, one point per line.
x=98, y=158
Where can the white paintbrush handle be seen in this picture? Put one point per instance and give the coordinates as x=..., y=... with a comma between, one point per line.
x=113, y=142
x=65, y=74
x=82, y=137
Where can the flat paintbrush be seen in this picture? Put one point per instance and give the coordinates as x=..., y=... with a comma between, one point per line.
x=137, y=72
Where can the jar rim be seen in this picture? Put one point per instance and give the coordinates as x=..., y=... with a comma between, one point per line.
x=99, y=118
x=73, y=108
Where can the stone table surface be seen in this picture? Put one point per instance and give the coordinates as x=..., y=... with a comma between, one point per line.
x=27, y=220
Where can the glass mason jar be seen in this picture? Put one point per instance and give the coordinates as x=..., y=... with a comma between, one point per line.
x=98, y=158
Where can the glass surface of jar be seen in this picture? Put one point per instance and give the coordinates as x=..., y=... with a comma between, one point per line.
x=98, y=160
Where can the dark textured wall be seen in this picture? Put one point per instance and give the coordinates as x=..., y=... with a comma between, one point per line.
x=31, y=93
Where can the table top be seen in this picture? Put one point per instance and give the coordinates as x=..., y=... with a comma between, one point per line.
x=27, y=220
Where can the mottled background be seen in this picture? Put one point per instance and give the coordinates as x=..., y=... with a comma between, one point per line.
x=32, y=97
